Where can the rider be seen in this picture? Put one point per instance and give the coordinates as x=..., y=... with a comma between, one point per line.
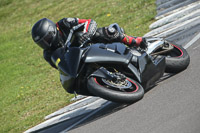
x=51, y=36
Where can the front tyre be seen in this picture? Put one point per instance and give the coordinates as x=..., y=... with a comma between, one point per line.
x=177, y=60
x=126, y=91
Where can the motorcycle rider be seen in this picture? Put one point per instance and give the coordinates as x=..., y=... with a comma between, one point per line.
x=51, y=36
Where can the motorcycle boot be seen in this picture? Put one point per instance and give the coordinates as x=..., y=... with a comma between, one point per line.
x=134, y=41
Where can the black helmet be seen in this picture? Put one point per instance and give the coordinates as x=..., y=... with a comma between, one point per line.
x=45, y=34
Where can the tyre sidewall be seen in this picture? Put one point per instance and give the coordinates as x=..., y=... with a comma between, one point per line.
x=179, y=63
x=112, y=95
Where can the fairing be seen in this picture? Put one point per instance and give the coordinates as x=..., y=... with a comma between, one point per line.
x=69, y=60
x=150, y=69
x=68, y=65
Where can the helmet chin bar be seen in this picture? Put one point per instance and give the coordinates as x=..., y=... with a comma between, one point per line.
x=57, y=42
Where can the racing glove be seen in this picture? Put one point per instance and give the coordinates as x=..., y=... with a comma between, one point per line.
x=86, y=37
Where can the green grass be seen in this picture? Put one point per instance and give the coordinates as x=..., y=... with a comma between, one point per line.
x=29, y=87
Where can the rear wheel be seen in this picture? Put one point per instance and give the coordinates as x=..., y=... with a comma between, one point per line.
x=123, y=90
x=177, y=59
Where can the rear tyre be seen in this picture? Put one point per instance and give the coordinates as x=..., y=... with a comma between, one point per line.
x=126, y=91
x=177, y=60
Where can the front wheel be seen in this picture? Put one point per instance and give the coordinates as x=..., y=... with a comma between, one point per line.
x=177, y=59
x=123, y=91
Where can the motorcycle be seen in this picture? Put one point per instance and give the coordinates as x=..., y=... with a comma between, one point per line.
x=116, y=72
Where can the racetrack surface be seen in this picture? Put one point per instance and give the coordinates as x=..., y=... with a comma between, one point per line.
x=171, y=107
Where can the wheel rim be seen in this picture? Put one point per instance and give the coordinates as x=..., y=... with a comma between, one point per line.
x=123, y=84
x=127, y=86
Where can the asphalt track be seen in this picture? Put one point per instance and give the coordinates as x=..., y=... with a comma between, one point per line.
x=173, y=106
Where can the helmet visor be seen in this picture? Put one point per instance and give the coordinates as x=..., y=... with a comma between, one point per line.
x=47, y=40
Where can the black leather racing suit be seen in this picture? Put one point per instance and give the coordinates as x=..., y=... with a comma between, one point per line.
x=90, y=30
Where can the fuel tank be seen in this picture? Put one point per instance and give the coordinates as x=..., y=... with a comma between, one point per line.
x=116, y=53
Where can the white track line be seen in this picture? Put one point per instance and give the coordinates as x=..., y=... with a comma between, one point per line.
x=85, y=118
x=192, y=41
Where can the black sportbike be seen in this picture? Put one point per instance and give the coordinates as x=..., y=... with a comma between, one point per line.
x=116, y=72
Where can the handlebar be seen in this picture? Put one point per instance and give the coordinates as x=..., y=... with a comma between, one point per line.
x=67, y=43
